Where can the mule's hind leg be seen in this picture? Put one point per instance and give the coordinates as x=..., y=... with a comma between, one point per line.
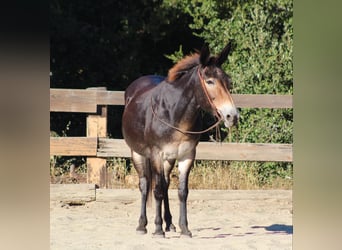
x=141, y=164
x=168, y=166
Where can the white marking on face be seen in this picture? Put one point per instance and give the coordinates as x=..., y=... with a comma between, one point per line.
x=229, y=114
x=223, y=102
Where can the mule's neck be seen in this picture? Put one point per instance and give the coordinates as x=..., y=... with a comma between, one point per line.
x=180, y=100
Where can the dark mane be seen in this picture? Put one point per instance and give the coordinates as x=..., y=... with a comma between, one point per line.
x=182, y=67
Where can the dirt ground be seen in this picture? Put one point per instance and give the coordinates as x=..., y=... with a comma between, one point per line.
x=81, y=218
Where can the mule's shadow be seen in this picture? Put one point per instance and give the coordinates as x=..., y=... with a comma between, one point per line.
x=277, y=228
x=274, y=229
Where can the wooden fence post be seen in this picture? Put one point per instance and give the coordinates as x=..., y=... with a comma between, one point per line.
x=97, y=127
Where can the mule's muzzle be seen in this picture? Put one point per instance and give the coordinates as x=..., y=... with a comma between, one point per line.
x=230, y=118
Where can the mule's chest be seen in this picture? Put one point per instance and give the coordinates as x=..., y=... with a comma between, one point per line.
x=178, y=150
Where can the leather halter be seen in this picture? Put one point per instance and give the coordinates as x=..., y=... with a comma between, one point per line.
x=213, y=107
x=217, y=114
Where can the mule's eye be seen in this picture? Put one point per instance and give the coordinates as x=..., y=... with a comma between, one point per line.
x=209, y=81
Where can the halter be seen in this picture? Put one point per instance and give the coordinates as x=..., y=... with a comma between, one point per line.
x=217, y=114
x=213, y=107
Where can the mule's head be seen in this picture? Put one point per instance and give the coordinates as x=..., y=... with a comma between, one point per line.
x=216, y=85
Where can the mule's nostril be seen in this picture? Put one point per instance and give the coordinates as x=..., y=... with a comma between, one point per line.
x=228, y=116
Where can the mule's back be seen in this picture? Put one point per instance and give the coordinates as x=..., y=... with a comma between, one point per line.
x=141, y=85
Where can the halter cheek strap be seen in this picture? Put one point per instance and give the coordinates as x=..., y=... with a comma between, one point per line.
x=212, y=105
x=217, y=114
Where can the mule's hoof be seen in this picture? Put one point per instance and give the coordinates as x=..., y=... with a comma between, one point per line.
x=158, y=234
x=186, y=234
x=141, y=230
x=170, y=228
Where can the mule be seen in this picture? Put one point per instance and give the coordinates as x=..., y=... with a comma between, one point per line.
x=161, y=124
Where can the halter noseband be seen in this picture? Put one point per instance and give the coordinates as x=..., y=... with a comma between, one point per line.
x=216, y=114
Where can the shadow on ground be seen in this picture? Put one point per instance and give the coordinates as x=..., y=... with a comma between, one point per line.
x=278, y=228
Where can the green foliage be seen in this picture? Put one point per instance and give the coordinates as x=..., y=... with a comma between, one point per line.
x=264, y=126
x=176, y=56
x=262, y=31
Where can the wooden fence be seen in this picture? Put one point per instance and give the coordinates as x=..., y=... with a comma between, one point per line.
x=97, y=147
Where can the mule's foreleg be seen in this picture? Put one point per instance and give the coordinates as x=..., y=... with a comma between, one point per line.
x=159, y=196
x=159, y=192
x=184, y=167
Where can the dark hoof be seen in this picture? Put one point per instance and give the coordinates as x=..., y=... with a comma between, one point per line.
x=141, y=230
x=158, y=234
x=170, y=228
x=186, y=234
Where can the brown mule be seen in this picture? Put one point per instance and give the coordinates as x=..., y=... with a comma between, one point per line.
x=161, y=124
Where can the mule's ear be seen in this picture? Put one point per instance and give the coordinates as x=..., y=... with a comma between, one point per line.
x=205, y=54
x=222, y=57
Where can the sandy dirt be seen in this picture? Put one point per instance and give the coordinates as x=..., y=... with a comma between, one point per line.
x=218, y=219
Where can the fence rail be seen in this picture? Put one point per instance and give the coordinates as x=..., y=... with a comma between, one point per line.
x=86, y=101
x=212, y=151
x=97, y=147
